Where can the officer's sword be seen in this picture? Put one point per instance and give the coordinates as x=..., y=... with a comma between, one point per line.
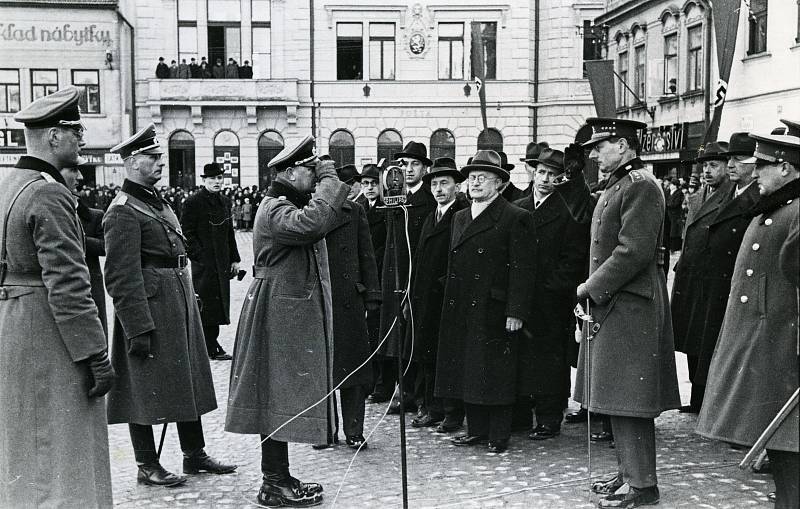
x=161, y=442
x=588, y=388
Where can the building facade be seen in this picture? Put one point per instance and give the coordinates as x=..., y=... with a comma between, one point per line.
x=365, y=77
x=49, y=45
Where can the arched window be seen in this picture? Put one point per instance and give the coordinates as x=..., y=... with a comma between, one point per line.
x=490, y=139
x=342, y=148
x=181, y=160
x=270, y=143
x=389, y=143
x=443, y=144
x=226, y=154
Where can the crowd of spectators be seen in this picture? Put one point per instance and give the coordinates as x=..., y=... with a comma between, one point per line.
x=203, y=69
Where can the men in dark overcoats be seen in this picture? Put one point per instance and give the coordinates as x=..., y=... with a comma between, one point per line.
x=211, y=245
x=532, y=151
x=54, y=369
x=283, y=356
x=487, y=299
x=704, y=270
x=632, y=359
x=354, y=291
x=754, y=370
x=560, y=255
x=673, y=224
x=415, y=163
x=427, y=292
x=158, y=348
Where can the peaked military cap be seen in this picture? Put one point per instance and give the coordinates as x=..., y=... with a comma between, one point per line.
x=143, y=142
x=212, y=170
x=504, y=161
x=348, y=173
x=741, y=144
x=714, y=151
x=486, y=160
x=773, y=148
x=415, y=150
x=604, y=128
x=552, y=158
x=302, y=153
x=533, y=150
x=443, y=167
x=57, y=109
x=792, y=127
x=371, y=171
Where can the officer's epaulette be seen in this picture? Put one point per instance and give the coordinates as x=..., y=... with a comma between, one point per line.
x=119, y=199
x=636, y=176
x=282, y=198
x=47, y=177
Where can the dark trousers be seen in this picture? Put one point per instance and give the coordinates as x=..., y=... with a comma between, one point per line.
x=274, y=460
x=636, y=450
x=211, y=333
x=190, y=435
x=425, y=383
x=352, y=410
x=387, y=378
x=453, y=411
x=698, y=390
x=549, y=410
x=492, y=421
x=786, y=472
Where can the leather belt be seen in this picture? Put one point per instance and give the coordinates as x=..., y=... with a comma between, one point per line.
x=164, y=262
x=23, y=279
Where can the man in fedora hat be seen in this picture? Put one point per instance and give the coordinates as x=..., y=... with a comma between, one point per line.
x=207, y=223
x=532, y=152
x=427, y=292
x=487, y=300
x=511, y=192
x=690, y=286
x=560, y=257
x=350, y=176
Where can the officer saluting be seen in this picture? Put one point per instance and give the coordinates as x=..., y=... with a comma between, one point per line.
x=54, y=369
x=158, y=346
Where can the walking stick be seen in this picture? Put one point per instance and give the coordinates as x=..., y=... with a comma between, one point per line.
x=761, y=443
x=588, y=388
x=161, y=442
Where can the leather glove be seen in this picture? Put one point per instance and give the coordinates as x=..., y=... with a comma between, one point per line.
x=101, y=373
x=140, y=346
x=574, y=161
x=325, y=169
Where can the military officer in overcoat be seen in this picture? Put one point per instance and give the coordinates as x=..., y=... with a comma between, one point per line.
x=754, y=370
x=54, y=370
x=632, y=373
x=561, y=252
x=158, y=348
x=211, y=245
x=487, y=300
x=704, y=270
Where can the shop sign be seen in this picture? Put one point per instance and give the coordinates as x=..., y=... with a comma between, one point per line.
x=12, y=138
x=65, y=33
x=658, y=140
x=110, y=159
x=9, y=159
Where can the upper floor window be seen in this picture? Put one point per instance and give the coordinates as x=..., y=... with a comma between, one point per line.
x=757, y=23
x=671, y=64
x=485, y=34
x=187, y=10
x=381, y=51
x=349, y=51
x=451, y=51
x=694, y=58
x=640, y=73
x=622, y=70
x=9, y=90
x=260, y=11
x=88, y=82
x=224, y=10
x=43, y=82
x=262, y=53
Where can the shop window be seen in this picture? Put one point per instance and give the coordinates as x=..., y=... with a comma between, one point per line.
x=757, y=25
x=488, y=37
x=349, y=51
x=181, y=160
x=671, y=64
x=622, y=70
x=451, y=51
x=490, y=139
x=9, y=90
x=43, y=82
x=389, y=143
x=88, y=82
x=694, y=58
x=270, y=144
x=342, y=148
x=381, y=51
x=226, y=155
x=640, y=73
x=443, y=144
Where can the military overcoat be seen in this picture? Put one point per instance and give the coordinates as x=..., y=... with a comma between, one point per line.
x=632, y=356
x=53, y=437
x=489, y=276
x=92, y=222
x=754, y=370
x=354, y=282
x=283, y=355
x=211, y=246
x=176, y=384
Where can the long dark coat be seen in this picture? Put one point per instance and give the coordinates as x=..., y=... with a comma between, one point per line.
x=283, y=355
x=377, y=228
x=354, y=283
x=490, y=274
x=176, y=384
x=211, y=245
x=54, y=445
x=94, y=240
x=754, y=370
x=420, y=204
x=427, y=287
x=560, y=256
x=632, y=354
x=674, y=205
x=703, y=276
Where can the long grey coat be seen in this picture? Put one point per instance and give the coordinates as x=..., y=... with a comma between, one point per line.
x=176, y=384
x=283, y=355
x=632, y=358
x=53, y=437
x=754, y=368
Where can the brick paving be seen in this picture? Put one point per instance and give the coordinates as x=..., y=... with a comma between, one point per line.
x=693, y=472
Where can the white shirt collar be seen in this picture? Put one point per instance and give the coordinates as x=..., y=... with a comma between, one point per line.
x=741, y=190
x=478, y=207
x=540, y=200
x=444, y=208
x=415, y=188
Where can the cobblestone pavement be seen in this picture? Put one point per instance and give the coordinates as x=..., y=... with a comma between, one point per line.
x=693, y=472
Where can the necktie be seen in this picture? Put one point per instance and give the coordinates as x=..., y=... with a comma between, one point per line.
x=438, y=215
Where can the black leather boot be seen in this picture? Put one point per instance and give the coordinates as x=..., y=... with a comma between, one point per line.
x=155, y=475
x=289, y=492
x=198, y=461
